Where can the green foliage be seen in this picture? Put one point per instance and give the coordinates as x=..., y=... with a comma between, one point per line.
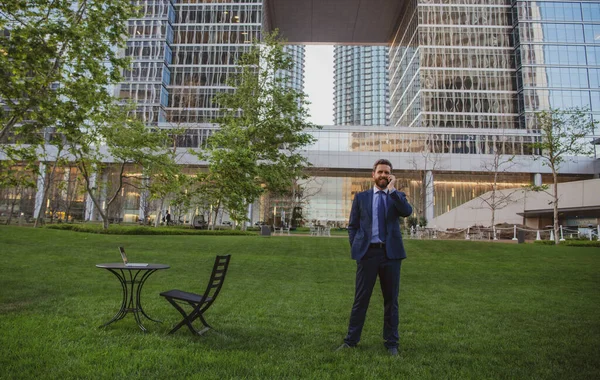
x=262, y=129
x=564, y=133
x=56, y=61
x=422, y=222
x=571, y=243
x=582, y=243
x=544, y=242
x=18, y=171
x=113, y=136
x=413, y=221
x=142, y=230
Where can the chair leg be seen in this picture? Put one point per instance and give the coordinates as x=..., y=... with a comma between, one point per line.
x=187, y=319
x=204, y=321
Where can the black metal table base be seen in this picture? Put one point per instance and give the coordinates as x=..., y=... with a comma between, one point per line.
x=132, y=281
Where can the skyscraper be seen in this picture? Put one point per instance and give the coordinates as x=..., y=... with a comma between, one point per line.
x=295, y=76
x=557, y=52
x=465, y=78
x=486, y=67
x=361, y=95
x=183, y=53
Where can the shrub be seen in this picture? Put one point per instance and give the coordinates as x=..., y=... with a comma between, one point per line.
x=582, y=243
x=571, y=243
x=544, y=242
x=143, y=230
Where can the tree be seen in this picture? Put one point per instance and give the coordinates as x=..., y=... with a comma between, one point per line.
x=48, y=176
x=70, y=189
x=162, y=178
x=564, y=134
x=262, y=130
x=112, y=136
x=14, y=179
x=303, y=188
x=498, y=166
x=429, y=162
x=56, y=59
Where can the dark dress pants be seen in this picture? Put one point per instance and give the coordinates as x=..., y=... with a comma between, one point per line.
x=376, y=263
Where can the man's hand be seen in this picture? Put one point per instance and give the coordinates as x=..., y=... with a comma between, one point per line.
x=392, y=182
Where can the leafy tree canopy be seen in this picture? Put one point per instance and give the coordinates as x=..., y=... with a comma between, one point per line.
x=56, y=60
x=263, y=129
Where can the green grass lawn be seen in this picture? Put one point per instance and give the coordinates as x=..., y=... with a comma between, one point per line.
x=467, y=310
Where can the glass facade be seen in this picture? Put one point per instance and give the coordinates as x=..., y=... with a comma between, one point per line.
x=209, y=37
x=294, y=78
x=408, y=141
x=334, y=193
x=452, y=66
x=492, y=64
x=557, y=47
x=361, y=95
x=182, y=54
x=451, y=189
x=150, y=47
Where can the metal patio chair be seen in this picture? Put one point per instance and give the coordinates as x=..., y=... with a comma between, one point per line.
x=199, y=302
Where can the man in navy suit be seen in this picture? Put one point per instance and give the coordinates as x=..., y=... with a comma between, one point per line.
x=376, y=245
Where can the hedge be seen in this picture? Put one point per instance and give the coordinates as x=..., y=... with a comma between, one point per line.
x=571, y=243
x=143, y=230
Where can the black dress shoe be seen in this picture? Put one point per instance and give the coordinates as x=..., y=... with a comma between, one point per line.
x=393, y=351
x=343, y=347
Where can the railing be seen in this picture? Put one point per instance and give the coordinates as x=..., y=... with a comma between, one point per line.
x=498, y=233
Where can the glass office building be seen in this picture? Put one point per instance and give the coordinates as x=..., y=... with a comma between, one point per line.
x=480, y=65
x=452, y=66
x=557, y=54
x=294, y=77
x=361, y=95
x=183, y=53
x=464, y=78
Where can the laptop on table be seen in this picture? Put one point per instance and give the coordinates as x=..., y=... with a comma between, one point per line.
x=126, y=261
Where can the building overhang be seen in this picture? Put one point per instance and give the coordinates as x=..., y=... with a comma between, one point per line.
x=350, y=22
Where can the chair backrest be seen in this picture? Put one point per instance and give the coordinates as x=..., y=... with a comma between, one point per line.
x=217, y=277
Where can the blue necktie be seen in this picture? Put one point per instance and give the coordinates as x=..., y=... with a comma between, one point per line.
x=381, y=215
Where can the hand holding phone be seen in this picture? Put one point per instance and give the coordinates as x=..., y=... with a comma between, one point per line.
x=391, y=182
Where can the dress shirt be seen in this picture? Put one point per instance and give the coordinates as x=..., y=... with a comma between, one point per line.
x=375, y=225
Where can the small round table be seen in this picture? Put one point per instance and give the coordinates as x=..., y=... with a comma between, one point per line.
x=132, y=279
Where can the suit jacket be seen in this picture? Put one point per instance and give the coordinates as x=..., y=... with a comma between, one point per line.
x=361, y=219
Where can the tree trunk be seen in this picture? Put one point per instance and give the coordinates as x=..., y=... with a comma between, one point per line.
x=12, y=209
x=493, y=207
x=494, y=188
x=47, y=183
x=105, y=223
x=214, y=221
x=159, y=212
x=555, y=224
x=293, y=205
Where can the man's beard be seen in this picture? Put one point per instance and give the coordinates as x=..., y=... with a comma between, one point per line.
x=382, y=182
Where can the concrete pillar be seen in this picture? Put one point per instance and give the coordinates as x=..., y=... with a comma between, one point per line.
x=90, y=213
x=537, y=179
x=429, y=195
x=39, y=191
